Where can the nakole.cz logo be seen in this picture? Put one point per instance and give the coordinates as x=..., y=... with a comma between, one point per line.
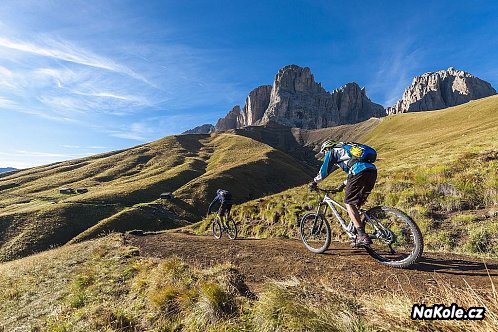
x=442, y=312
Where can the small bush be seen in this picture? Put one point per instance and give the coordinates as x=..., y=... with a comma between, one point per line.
x=77, y=300
x=479, y=241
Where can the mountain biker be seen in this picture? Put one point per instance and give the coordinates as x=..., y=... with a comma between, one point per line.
x=359, y=183
x=224, y=199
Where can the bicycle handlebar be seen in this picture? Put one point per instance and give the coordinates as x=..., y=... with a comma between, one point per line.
x=328, y=191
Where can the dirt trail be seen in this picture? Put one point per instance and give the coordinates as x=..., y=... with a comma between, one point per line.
x=259, y=260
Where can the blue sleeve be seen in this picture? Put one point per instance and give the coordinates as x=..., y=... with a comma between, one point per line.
x=324, y=170
x=328, y=167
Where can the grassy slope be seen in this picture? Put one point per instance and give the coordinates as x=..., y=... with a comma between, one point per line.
x=124, y=187
x=103, y=285
x=441, y=167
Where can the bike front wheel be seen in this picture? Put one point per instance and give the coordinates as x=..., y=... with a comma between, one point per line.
x=217, y=228
x=315, y=232
x=396, y=238
x=231, y=229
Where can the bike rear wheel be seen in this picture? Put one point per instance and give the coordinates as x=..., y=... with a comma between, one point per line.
x=315, y=232
x=396, y=238
x=231, y=229
x=217, y=228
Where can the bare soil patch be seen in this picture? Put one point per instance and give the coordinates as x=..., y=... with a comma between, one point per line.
x=354, y=270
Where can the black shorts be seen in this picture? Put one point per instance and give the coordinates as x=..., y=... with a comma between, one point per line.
x=359, y=186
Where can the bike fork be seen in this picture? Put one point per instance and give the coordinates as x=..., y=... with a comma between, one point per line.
x=317, y=225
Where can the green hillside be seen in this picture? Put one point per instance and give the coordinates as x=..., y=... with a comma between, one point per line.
x=439, y=166
x=124, y=187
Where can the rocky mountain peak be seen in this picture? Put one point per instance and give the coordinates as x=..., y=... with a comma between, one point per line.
x=230, y=121
x=293, y=78
x=353, y=105
x=441, y=89
x=296, y=100
x=203, y=129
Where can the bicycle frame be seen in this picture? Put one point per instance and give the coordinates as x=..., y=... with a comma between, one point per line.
x=330, y=203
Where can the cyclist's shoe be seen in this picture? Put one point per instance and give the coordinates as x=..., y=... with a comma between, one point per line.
x=361, y=241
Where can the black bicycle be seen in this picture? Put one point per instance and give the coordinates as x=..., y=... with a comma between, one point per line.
x=224, y=224
x=396, y=238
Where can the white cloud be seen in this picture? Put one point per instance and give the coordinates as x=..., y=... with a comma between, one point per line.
x=65, y=51
x=400, y=62
x=137, y=131
x=5, y=71
x=4, y=103
x=25, y=159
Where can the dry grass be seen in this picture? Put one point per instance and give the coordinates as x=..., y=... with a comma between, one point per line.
x=102, y=285
x=388, y=310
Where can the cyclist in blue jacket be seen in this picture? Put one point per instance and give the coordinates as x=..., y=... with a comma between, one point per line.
x=359, y=183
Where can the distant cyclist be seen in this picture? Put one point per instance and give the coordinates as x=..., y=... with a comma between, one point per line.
x=224, y=199
x=359, y=183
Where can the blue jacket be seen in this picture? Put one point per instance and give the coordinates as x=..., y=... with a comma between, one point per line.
x=338, y=158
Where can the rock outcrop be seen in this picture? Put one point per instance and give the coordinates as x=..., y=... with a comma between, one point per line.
x=353, y=104
x=256, y=104
x=230, y=121
x=441, y=89
x=204, y=129
x=296, y=100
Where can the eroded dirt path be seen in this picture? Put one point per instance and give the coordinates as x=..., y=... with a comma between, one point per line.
x=260, y=260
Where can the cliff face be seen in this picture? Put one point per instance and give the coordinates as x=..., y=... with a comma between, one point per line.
x=296, y=100
x=441, y=89
x=230, y=121
x=256, y=104
x=353, y=104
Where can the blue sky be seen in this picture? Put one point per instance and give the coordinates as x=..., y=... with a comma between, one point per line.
x=85, y=77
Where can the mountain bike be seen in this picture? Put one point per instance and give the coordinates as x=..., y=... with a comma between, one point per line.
x=396, y=238
x=224, y=224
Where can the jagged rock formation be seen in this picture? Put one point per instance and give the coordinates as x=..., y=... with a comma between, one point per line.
x=230, y=121
x=353, y=104
x=256, y=104
x=441, y=89
x=204, y=129
x=296, y=100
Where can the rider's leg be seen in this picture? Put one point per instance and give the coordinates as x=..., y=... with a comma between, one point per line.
x=354, y=214
x=358, y=188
